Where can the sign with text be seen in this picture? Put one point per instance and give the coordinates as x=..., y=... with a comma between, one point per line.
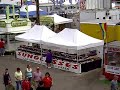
x=28, y=56
x=18, y=23
x=2, y=24
x=113, y=49
x=57, y=63
x=112, y=69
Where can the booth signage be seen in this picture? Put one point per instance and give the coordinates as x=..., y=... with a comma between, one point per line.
x=2, y=24
x=67, y=66
x=28, y=56
x=60, y=64
x=18, y=23
x=112, y=69
x=112, y=49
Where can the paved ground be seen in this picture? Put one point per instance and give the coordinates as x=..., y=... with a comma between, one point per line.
x=62, y=80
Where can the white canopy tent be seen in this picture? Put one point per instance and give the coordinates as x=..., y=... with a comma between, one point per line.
x=36, y=34
x=74, y=39
x=67, y=3
x=60, y=20
x=30, y=8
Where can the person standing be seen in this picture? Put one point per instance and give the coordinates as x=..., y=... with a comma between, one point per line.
x=26, y=84
x=18, y=77
x=49, y=58
x=47, y=80
x=2, y=47
x=37, y=77
x=28, y=72
x=10, y=86
x=6, y=77
x=114, y=83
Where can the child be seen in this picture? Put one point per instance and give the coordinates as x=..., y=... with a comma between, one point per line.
x=10, y=86
x=26, y=84
x=40, y=86
x=47, y=80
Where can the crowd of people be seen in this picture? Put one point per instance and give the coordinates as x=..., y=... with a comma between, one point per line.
x=29, y=80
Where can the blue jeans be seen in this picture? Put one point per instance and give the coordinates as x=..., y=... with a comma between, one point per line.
x=2, y=51
x=18, y=85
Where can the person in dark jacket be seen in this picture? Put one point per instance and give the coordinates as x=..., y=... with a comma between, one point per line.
x=6, y=77
x=49, y=58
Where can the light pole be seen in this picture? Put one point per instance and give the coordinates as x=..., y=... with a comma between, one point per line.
x=37, y=13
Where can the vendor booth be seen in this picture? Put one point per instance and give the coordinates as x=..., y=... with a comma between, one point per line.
x=72, y=50
x=112, y=60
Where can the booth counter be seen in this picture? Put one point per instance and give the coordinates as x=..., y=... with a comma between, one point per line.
x=61, y=60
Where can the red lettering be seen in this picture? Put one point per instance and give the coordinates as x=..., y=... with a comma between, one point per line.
x=67, y=65
x=36, y=57
x=60, y=63
x=54, y=61
x=30, y=56
x=75, y=67
x=19, y=53
x=24, y=54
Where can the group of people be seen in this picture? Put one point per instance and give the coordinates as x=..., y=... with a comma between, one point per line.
x=29, y=80
x=2, y=47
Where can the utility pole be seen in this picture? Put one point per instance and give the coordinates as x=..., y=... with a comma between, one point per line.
x=21, y=2
x=37, y=13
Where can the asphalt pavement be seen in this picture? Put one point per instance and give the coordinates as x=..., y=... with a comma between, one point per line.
x=62, y=80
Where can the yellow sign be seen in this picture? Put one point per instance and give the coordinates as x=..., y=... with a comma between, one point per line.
x=2, y=24
x=48, y=21
x=18, y=23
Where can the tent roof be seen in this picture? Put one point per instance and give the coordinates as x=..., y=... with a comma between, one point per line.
x=67, y=3
x=30, y=8
x=75, y=39
x=36, y=34
x=60, y=20
x=31, y=11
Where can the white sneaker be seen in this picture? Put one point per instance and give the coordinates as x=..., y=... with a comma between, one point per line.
x=49, y=67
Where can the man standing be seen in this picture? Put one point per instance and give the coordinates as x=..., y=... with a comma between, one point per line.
x=2, y=47
x=37, y=77
x=114, y=83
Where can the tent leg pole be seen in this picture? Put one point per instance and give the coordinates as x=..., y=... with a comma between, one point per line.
x=77, y=56
x=41, y=50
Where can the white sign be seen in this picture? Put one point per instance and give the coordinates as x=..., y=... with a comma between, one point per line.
x=67, y=66
x=60, y=64
x=112, y=69
x=28, y=56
